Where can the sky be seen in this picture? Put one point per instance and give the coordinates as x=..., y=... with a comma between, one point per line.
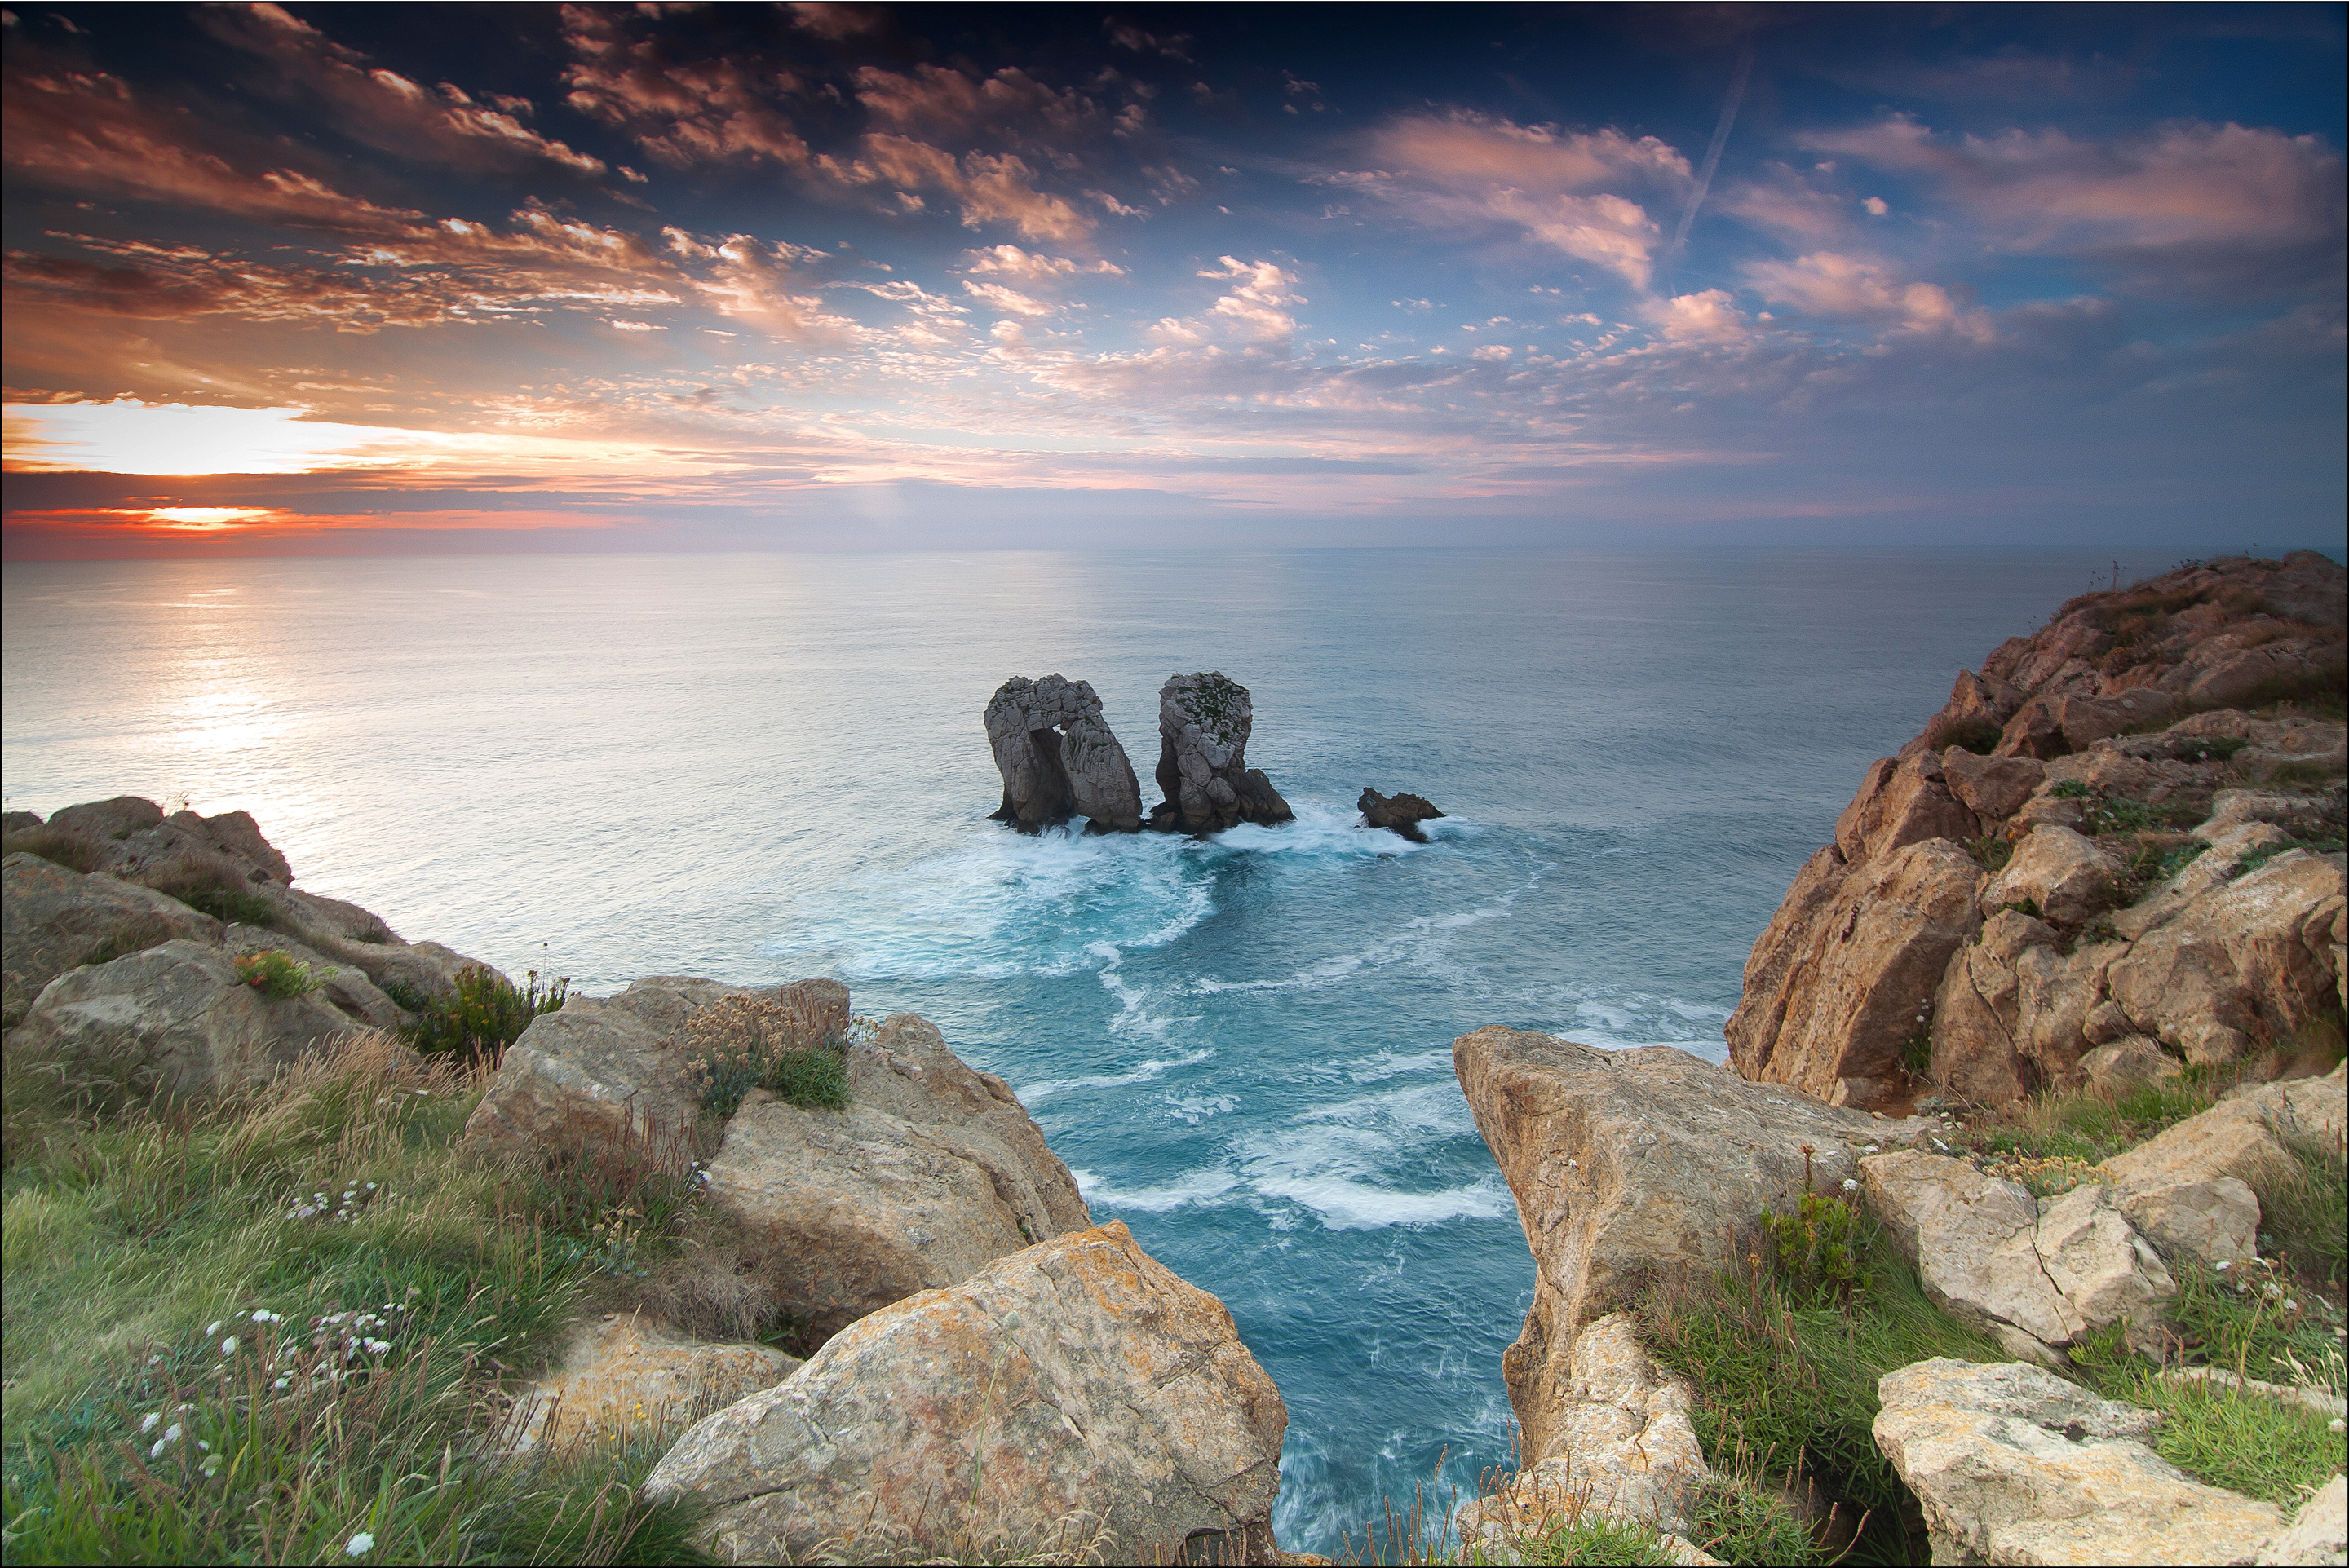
x=286, y=279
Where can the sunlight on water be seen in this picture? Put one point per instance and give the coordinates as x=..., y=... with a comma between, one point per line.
x=762, y=767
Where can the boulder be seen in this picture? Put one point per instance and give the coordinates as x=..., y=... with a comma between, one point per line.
x=2128, y=1063
x=2319, y=1532
x=1992, y=787
x=1626, y=1162
x=1901, y=803
x=932, y=1173
x=1397, y=814
x=602, y=1067
x=53, y=920
x=2066, y=878
x=2188, y=1188
x=1076, y=1398
x=1059, y=759
x=1987, y=1252
x=2013, y=1464
x=1204, y=722
x=2011, y=1012
x=133, y=837
x=1848, y=967
x=630, y=1376
x=174, y=1017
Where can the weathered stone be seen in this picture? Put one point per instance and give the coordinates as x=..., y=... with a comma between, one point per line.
x=1992, y=787
x=1901, y=803
x=1058, y=758
x=1204, y=723
x=2013, y=1465
x=2189, y=1186
x=2128, y=1063
x=2065, y=876
x=600, y=1067
x=1626, y=1162
x=53, y=920
x=2103, y=1269
x=1076, y=1397
x=175, y=1018
x=932, y=1173
x=2319, y=1532
x=347, y=989
x=1398, y=814
x=630, y=1376
x=1846, y=968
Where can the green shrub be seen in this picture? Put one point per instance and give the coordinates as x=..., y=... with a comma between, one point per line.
x=1746, y=1519
x=485, y=1014
x=276, y=973
x=1978, y=735
x=2070, y=789
x=1815, y=1252
x=2208, y=748
x=1991, y=852
x=743, y=1042
x=59, y=846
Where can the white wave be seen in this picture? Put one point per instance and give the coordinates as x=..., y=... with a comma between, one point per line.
x=1200, y=1187
x=1417, y=940
x=1321, y=830
x=1344, y=1204
x=1142, y=1073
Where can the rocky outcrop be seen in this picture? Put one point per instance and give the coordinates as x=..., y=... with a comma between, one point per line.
x=53, y=920
x=2189, y=1188
x=1989, y=1253
x=1204, y=721
x=175, y=1018
x=629, y=1377
x=932, y=1173
x=2013, y=1464
x=1397, y=813
x=2078, y=772
x=1624, y=1164
x=1059, y=759
x=1076, y=1398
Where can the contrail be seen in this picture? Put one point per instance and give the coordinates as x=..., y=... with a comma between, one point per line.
x=1712, y=153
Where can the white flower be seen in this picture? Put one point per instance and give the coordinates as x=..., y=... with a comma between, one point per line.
x=1849, y=1185
x=358, y=1546
x=148, y=1425
x=212, y=1465
x=157, y=1451
x=2224, y=1265
x=266, y=1315
x=214, y=1329
x=228, y=1345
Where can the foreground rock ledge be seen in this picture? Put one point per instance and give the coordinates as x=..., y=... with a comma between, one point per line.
x=1075, y=1395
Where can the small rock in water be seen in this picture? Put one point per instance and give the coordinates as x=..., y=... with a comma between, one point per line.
x=1397, y=813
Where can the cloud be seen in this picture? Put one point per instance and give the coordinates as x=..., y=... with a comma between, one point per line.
x=2187, y=207
x=1006, y=299
x=1710, y=317
x=987, y=187
x=681, y=113
x=1830, y=284
x=1013, y=262
x=1255, y=311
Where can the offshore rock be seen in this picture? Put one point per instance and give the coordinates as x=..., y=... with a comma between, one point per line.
x=1398, y=813
x=2013, y=1464
x=1058, y=758
x=1204, y=722
x=932, y=1173
x=1076, y=1401
x=1626, y=1162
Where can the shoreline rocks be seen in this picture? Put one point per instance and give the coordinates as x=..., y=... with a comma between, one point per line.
x=1398, y=813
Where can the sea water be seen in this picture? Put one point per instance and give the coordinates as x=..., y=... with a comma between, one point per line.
x=763, y=766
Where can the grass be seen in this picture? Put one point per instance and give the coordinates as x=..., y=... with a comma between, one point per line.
x=276, y=973
x=743, y=1042
x=136, y=935
x=56, y=845
x=395, y=1280
x=212, y=884
x=2087, y=1125
x=483, y=1014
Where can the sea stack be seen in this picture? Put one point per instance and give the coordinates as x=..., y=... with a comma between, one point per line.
x=1397, y=813
x=1204, y=721
x=1059, y=759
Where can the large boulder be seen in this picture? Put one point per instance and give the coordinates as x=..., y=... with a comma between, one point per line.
x=932, y=1173
x=1987, y=1252
x=628, y=1377
x=2012, y=1014
x=1848, y=970
x=174, y=1018
x=2319, y=1532
x=2190, y=1187
x=1204, y=723
x=1076, y=1398
x=2013, y=1464
x=53, y=920
x=2063, y=876
x=600, y=1067
x=1058, y=758
x=1624, y=1164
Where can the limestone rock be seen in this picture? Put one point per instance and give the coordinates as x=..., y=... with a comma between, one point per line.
x=174, y=1018
x=1398, y=814
x=627, y=1376
x=932, y=1173
x=1204, y=722
x=53, y=920
x=1074, y=1394
x=2189, y=1186
x=1627, y=1161
x=1059, y=759
x=600, y=1066
x=1901, y=803
x=1846, y=968
x=2011, y=1012
x=2066, y=876
x=2128, y=1063
x=1987, y=1252
x=2013, y=1465
x=2319, y=1532
x=1992, y=787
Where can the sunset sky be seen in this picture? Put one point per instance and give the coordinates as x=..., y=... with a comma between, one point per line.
x=416, y=278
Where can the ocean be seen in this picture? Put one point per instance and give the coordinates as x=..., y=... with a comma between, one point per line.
x=764, y=766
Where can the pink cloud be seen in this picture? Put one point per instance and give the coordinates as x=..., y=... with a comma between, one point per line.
x=715, y=111
x=1831, y=284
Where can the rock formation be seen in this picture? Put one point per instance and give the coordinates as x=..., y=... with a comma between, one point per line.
x=1058, y=758
x=1076, y=1399
x=1398, y=813
x=2189, y=1188
x=628, y=1375
x=2094, y=841
x=1204, y=722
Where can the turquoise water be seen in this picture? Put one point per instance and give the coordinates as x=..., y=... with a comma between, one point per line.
x=762, y=767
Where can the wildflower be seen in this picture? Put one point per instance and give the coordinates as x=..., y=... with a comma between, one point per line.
x=157, y=1451
x=266, y=1315
x=212, y=1465
x=2224, y=1265
x=214, y=1329
x=228, y=1345
x=280, y=1385
x=155, y=1417
x=1849, y=1185
x=358, y=1546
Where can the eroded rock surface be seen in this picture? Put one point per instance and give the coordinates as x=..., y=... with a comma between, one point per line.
x=1059, y=759
x=2083, y=765
x=1074, y=1396
x=2188, y=1188
x=1204, y=723
x=53, y=920
x=1625, y=1162
x=2013, y=1465
x=1397, y=813
x=629, y=1375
